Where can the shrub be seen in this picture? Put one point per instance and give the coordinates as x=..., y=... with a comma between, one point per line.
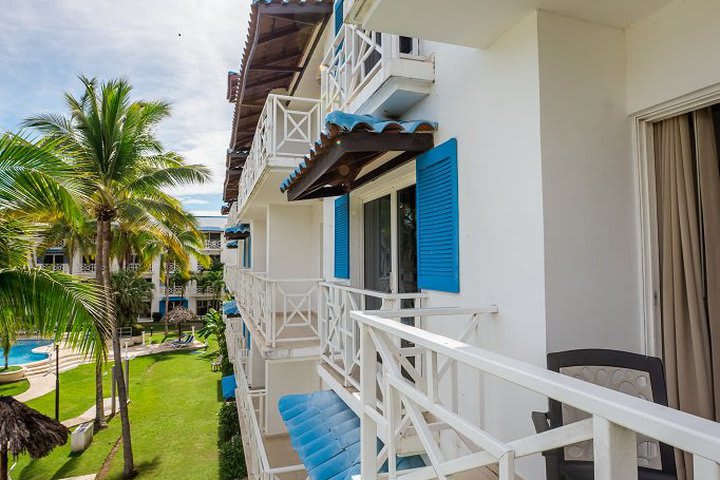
x=232, y=460
x=228, y=424
x=137, y=329
x=226, y=367
x=156, y=316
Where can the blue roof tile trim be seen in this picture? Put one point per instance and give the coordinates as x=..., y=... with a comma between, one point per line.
x=232, y=244
x=337, y=122
x=229, y=384
x=239, y=228
x=325, y=433
x=210, y=229
x=230, y=308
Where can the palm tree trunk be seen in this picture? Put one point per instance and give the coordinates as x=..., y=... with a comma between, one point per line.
x=4, y=463
x=167, y=296
x=128, y=461
x=99, y=397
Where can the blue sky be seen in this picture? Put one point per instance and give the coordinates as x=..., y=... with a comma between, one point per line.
x=176, y=50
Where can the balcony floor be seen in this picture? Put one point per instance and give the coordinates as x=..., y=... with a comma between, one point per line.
x=281, y=454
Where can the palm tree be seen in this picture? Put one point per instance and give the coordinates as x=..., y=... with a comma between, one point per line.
x=76, y=234
x=36, y=186
x=111, y=144
x=192, y=243
x=129, y=292
x=212, y=278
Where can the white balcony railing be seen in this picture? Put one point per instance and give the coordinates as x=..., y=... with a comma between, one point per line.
x=56, y=267
x=136, y=267
x=206, y=290
x=359, y=58
x=285, y=131
x=87, y=268
x=282, y=310
x=174, y=290
x=233, y=337
x=412, y=393
x=213, y=244
x=250, y=406
x=339, y=332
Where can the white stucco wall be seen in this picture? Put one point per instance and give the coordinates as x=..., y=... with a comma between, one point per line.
x=672, y=53
x=489, y=100
x=284, y=378
x=293, y=233
x=591, y=265
x=258, y=245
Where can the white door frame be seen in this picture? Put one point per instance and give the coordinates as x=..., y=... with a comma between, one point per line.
x=647, y=211
x=388, y=184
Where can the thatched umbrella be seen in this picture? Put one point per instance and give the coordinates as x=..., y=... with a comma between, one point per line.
x=24, y=430
x=180, y=315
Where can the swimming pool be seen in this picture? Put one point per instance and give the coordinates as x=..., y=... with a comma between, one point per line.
x=21, y=352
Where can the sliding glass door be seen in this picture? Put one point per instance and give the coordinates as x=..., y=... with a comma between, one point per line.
x=390, y=248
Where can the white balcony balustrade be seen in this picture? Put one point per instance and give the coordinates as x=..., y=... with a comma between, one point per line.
x=213, y=244
x=175, y=290
x=206, y=290
x=417, y=387
x=374, y=73
x=233, y=337
x=87, y=268
x=339, y=332
x=266, y=458
x=287, y=128
x=55, y=267
x=282, y=311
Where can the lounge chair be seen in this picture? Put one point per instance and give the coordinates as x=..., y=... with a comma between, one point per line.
x=631, y=373
x=182, y=339
x=184, y=343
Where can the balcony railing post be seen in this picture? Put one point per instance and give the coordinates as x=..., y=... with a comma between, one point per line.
x=273, y=120
x=368, y=401
x=704, y=469
x=614, y=451
x=347, y=344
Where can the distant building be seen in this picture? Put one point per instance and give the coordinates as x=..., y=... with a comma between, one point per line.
x=196, y=299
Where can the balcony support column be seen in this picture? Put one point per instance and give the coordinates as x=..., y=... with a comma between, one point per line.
x=368, y=402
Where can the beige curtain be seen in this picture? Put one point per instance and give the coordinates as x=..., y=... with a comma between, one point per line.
x=688, y=195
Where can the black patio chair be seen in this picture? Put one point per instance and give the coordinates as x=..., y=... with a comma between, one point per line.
x=627, y=372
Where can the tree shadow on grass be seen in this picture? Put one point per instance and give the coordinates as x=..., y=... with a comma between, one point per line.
x=144, y=469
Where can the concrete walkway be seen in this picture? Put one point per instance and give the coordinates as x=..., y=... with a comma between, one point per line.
x=39, y=386
x=89, y=414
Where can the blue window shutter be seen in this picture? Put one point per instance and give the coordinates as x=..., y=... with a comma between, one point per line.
x=437, y=218
x=342, y=237
x=338, y=16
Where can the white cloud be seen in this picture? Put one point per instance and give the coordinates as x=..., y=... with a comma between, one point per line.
x=194, y=201
x=176, y=50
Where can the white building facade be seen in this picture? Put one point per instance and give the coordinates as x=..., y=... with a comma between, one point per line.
x=544, y=119
x=196, y=299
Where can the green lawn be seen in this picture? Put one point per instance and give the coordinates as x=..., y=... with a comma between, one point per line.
x=15, y=388
x=77, y=392
x=173, y=411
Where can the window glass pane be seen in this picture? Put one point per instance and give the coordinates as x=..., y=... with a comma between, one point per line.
x=378, y=252
x=407, y=240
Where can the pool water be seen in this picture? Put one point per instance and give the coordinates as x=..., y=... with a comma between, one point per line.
x=21, y=352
